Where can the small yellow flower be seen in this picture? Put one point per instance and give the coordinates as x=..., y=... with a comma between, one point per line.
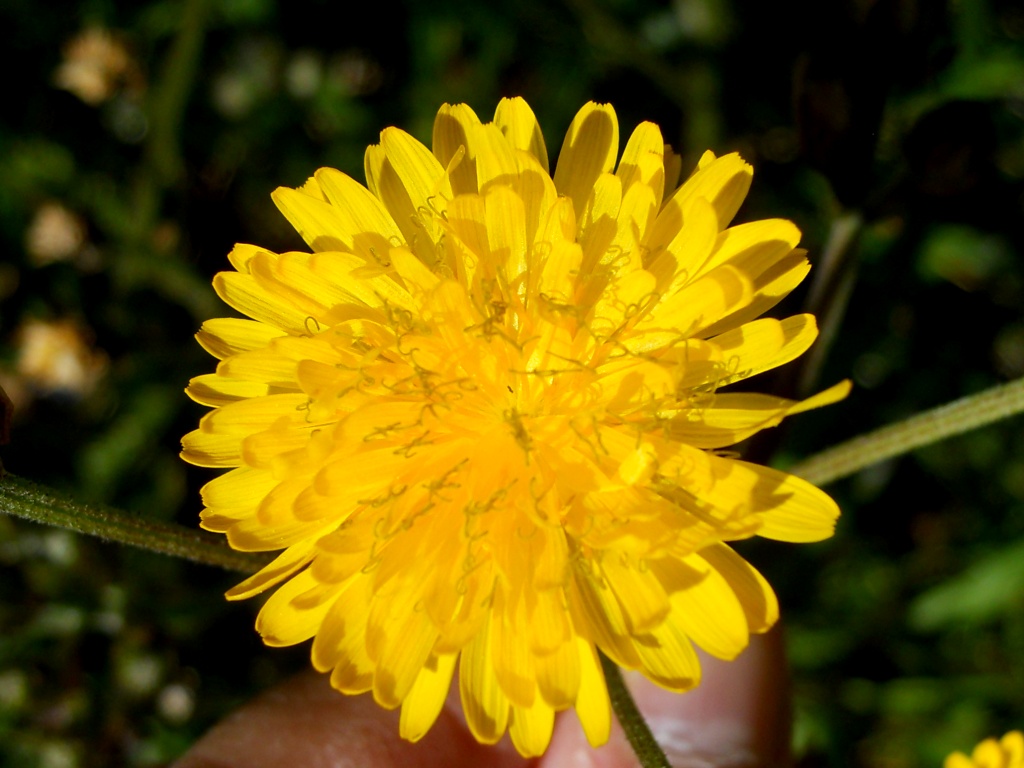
x=484, y=419
x=1008, y=752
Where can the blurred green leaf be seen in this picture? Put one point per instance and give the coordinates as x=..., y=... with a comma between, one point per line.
x=963, y=255
x=998, y=74
x=914, y=696
x=245, y=11
x=986, y=590
x=109, y=458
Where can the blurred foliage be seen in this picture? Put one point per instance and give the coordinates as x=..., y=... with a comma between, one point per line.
x=141, y=140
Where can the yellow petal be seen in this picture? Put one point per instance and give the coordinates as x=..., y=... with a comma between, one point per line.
x=958, y=760
x=769, y=288
x=531, y=727
x=244, y=417
x=452, y=127
x=264, y=447
x=243, y=253
x=988, y=755
x=280, y=623
x=253, y=535
x=505, y=220
x=340, y=643
x=321, y=225
x=344, y=551
x=363, y=475
x=793, y=509
x=520, y=127
x=590, y=148
x=221, y=520
x=513, y=663
x=244, y=294
x=641, y=596
x=597, y=223
x=829, y=396
x=722, y=181
x=415, y=165
x=364, y=213
x=762, y=345
x=205, y=449
x=558, y=675
x=704, y=606
x=407, y=638
x=215, y=389
x=373, y=167
x=226, y=336
x=277, y=506
x=592, y=704
x=729, y=418
x=292, y=277
x=484, y=703
x=563, y=256
x=417, y=278
x=754, y=247
x=642, y=159
x=426, y=697
x=598, y=618
x=667, y=657
x=755, y=594
x=241, y=488
x=700, y=304
x=374, y=291
x=282, y=567
x=413, y=186
x=676, y=257
x=537, y=191
x=495, y=159
x=638, y=209
x=1013, y=745
x=267, y=366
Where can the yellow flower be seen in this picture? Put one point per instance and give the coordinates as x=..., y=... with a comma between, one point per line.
x=1008, y=752
x=483, y=419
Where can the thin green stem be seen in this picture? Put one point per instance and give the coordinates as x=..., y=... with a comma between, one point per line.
x=923, y=429
x=170, y=94
x=831, y=286
x=21, y=498
x=637, y=731
x=833, y=279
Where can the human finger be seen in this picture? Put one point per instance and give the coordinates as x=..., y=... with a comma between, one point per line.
x=738, y=717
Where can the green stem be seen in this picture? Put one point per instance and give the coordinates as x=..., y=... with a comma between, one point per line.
x=633, y=724
x=21, y=498
x=832, y=283
x=170, y=95
x=931, y=426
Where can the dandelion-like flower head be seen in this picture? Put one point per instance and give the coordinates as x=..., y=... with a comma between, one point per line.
x=484, y=419
x=1007, y=752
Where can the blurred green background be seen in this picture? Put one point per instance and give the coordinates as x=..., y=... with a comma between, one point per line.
x=142, y=139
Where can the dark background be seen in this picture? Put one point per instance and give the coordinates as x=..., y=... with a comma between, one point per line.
x=131, y=159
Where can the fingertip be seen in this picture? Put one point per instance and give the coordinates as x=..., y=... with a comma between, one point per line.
x=739, y=717
x=304, y=722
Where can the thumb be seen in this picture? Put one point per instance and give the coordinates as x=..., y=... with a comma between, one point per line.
x=739, y=717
